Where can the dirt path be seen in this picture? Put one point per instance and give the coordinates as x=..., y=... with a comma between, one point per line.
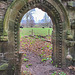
x=36, y=59
x=34, y=65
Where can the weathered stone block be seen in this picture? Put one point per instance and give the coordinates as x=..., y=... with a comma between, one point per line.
x=69, y=37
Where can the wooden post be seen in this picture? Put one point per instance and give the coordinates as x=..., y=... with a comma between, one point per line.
x=48, y=32
x=32, y=32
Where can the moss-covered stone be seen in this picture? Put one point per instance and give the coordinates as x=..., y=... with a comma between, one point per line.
x=4, y=33
x=4, y=38
x=3, y=66
x=69, y=37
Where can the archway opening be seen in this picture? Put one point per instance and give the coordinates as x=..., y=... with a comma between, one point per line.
x=36, y=41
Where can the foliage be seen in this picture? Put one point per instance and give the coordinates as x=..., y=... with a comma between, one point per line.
x=26, y=73
x=25, y=59
x=27, y=66
x=13, y=68
x=60, y=73
x=49, y=56
x=40, y=55
x=52, y=62
x=51, y=48
x=25, y=55
x=44, y=59
x=47, y=46
x=42, y=48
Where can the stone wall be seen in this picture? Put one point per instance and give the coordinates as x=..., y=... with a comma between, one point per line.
x=7, y=53
x=3, y=39
x=70, y=8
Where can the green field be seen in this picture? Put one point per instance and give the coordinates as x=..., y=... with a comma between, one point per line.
x=36, y=31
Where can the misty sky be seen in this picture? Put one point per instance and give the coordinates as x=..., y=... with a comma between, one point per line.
x=38, y=16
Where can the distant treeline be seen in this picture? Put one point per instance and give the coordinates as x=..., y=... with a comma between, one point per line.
x=36, y=25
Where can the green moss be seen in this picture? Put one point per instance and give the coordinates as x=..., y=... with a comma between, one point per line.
x=4, y=38
x=26, y=0
x=5, y=19
x=4, y=33
x=12, y=3
x=4, y=66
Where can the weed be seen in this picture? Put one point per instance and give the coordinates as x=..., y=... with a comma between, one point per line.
x=44, y=59
x=50, y=57
x=13, y=68
x=47, y=46
x=25, y=55
x=60, y=73
x=25, y=72
x=22, y=45
x=51, y=47
x=27, y=66
x=42, y=48
x=40, y=55
x=51, y=62
x=43, y=52
x=25, y=59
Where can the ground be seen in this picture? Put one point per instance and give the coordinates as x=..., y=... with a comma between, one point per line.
x=35, y=31
x=37, y=58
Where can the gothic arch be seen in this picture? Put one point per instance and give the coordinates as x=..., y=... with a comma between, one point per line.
x=58, y=15
x=56, y=20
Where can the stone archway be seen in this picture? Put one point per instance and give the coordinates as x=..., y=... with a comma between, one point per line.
x=58, y=15
x=57, y=18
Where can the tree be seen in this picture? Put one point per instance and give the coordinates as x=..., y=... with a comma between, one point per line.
x=29, y=18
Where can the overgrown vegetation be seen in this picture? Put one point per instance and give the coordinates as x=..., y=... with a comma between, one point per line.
x=41, y=46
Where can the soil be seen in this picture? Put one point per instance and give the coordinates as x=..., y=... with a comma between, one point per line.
x=35, y=51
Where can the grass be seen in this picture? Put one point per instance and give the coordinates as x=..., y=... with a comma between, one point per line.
x=36, y=31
